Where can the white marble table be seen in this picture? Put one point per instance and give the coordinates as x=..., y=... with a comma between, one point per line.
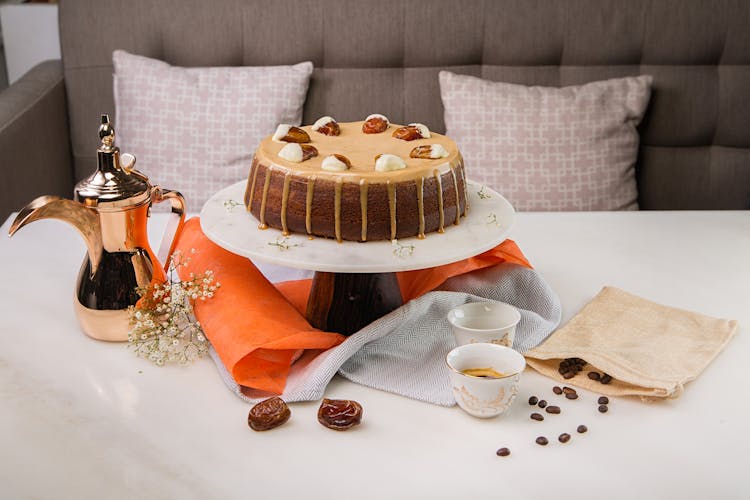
x=84, y=419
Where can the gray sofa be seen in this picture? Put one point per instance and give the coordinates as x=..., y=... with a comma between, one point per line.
x=383, y=56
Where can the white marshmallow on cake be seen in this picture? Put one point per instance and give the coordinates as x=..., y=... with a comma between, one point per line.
x=281, y=131
x=320, y=122
x=423, y=130
x=388, y=162
x=291, y=152
x=333, y=164
x=438, y=151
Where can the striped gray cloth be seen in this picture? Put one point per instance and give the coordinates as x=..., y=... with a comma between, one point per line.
x=404, y=352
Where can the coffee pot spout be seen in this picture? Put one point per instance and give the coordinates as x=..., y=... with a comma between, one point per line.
x=85, y=220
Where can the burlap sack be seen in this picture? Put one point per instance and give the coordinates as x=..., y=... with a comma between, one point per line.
x=649, y=349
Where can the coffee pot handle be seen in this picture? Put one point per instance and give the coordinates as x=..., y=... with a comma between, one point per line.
x=174, y=225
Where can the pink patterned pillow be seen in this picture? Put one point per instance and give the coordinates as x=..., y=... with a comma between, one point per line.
x=196, y=129
x=544, y=148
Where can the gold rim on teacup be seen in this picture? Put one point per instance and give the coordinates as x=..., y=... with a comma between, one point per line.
x=493, y=322
x=485, y=397
x=451, y=314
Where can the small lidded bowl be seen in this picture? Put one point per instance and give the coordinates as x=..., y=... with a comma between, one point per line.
x=485, y=377
x=493, y=322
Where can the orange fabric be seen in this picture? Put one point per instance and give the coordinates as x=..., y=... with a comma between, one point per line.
x=416, y=283
x=253, y=328
x=258, y=328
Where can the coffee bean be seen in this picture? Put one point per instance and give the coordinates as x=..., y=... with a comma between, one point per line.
x=553, y=409
x=537, y=416
x=594, y=376
x=581, y=429
x=557, y=390
x=541, y=440
x=571, y=395
x=568, y=375
x=604, y=400
x=533, y=400
x=564, y=437
x=503, y=452
x=542, y=403
x=568, y=390
x=606, y=379
x=603, y=408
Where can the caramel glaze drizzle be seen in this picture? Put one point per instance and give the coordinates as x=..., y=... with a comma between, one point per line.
x=251, y=190
x=436, y=173
x=337, y=208
x=363, y=205
x=284, y=201
x=266, y=183
x=466, y=192
x=363, y=189
x=420, y=205
x=392, y=206
x=308, y=204
x=458, y=200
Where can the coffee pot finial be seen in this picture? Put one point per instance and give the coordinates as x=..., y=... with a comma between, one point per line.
x=106, y=135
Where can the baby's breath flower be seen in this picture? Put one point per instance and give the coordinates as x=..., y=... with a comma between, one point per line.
x=163, y=327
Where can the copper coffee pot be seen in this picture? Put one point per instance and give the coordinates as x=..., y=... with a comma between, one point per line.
x=111, y=211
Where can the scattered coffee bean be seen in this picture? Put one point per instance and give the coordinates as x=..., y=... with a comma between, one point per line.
x=568, y=390
x=571, y=395
x=542, y=441
x=603, y=408
x=594, y=376
x=581, y=429
x=604, y=400
x=542, y=403
x=564, y=437
x=553, y=409
x=606, y=379
x=557, y=390
x=503, y=452
x=537, y=416
x=568, y=375
x=533, y=400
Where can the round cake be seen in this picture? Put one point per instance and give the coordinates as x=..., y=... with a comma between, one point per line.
x=336, y=181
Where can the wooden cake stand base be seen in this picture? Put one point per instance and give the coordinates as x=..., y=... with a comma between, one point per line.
x=347, y=302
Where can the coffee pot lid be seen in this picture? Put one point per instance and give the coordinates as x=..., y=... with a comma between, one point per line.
x=114, y=183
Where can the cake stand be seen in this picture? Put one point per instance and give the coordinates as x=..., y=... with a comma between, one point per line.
x=355, y=282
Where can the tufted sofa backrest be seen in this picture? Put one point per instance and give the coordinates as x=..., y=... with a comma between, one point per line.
x=383, y=56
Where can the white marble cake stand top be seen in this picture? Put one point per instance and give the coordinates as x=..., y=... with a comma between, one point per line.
x=227, y=223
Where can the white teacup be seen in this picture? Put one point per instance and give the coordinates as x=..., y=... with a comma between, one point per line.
x=493, y=322
x=485, y=396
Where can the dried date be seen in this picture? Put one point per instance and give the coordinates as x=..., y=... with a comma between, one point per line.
x=268, y=414
x=339, y=414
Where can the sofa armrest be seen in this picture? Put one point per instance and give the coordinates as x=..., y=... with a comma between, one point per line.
x=35, y=156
